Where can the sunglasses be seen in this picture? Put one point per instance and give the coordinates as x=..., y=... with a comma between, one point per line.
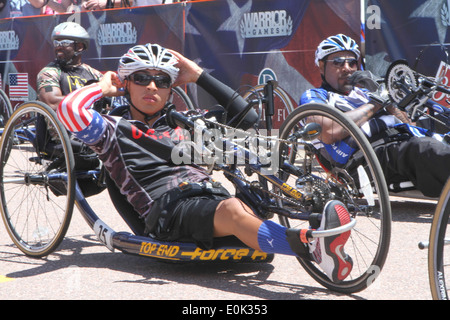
x=340, y=62
x=62, y=43
x=143, y=79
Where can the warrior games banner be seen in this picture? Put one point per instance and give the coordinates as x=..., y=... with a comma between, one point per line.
x=247, y=42
x=241, y=42
x=26, y=46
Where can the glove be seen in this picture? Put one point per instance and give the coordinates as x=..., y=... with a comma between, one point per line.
x=381, y=96
x=368, y=80
x=364, y=79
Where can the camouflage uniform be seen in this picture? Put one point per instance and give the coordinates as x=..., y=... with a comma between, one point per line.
x=67, y=79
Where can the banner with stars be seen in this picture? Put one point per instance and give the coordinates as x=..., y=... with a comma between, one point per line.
x=414, y=30
x=241, y=42
x=26, y=45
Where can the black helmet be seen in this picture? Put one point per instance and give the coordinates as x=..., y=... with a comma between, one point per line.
x=72, y=31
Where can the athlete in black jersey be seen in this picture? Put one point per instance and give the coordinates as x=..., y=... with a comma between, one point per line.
x=138, y=153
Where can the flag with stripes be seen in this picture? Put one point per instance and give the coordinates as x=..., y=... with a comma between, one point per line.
x=18, y=86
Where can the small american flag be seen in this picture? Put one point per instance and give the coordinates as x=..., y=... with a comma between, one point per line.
x=18, y=85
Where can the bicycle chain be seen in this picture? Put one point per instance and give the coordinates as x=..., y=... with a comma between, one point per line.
x=271, y=193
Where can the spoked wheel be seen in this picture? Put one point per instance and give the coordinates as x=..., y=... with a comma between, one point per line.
x=360, y=185
x=282, y=105
x=5, y=108
x=439, y=249
x=181, y=100
x=37, y=179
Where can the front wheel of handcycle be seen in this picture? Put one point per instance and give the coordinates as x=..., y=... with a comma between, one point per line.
x=320, y=175
x=439, y=247
x=37, y=179
x=5, y=108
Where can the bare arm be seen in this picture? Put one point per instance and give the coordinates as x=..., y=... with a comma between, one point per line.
x=101, y=4
x=59, y=7
x=332, y=132
x=401, y=115
x=52, y=96
x=37, y=3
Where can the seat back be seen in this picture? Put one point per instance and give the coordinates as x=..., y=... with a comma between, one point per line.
x=124, y=208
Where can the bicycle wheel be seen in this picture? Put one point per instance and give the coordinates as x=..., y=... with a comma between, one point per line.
x=360, y=185
x=37, y=179
x=181, y=100
x=5, y=108
x=439, y=249
x=282, y=104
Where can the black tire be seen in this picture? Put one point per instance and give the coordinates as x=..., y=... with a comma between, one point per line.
x=439, y=250
x=282, y=104
x=181, y=100
x=5, y=109
x=368, y=244
x=38, y=183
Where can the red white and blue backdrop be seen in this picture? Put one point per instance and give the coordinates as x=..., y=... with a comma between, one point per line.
x=241, y=42
x=414, y=30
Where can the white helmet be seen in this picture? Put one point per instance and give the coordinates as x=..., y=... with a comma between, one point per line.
x=148, y=56
x=72, y=31
x=332, y=44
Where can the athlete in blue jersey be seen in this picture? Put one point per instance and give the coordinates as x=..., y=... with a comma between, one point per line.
x=406, y=153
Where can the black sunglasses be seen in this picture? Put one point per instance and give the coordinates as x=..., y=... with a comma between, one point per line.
x=340, y=62
x=143, y=79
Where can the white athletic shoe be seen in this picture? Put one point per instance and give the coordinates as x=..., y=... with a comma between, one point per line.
x=328, y=252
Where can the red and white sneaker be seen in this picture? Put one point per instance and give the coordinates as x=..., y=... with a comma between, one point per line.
x=328, y=252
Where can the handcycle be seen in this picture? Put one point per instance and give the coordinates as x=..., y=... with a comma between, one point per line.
x=413, y=92
x=38, y=190
x=438, y=247
x=5, y=108
x=283, y=103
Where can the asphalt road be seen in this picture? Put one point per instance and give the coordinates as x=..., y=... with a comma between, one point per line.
x=82, y=268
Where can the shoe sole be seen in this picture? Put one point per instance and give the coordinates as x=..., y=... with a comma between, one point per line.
x=334, y=246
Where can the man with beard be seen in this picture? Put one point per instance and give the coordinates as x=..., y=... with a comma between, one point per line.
x=59, y=78
x=407, y=153
x=67, y=72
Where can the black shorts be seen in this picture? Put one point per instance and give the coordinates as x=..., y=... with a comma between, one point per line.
x=185, y=220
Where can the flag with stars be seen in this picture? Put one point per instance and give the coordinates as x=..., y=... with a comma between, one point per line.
x=243, y=42
x=18, y=86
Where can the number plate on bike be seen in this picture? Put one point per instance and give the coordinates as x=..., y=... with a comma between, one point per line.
x=104, y=234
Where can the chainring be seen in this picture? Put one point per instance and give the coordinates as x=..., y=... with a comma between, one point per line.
x=400, y=78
